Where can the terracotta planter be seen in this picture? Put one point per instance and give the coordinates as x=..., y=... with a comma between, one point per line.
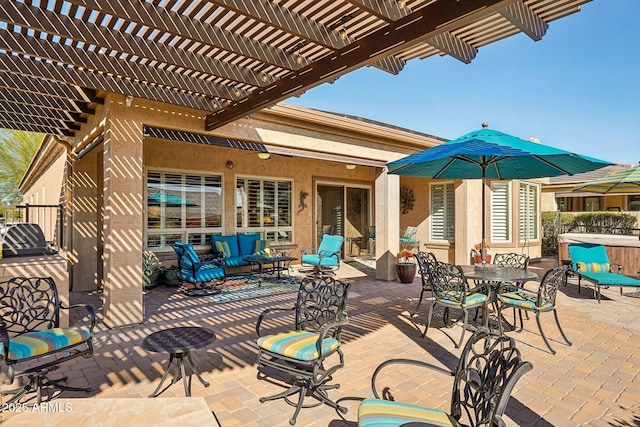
x=478, y=259
x=406, y=271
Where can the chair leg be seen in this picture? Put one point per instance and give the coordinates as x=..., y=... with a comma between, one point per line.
x=555, y=314
x=542, y=333
x=420, y=302
x=464, y=326
x=426, y=328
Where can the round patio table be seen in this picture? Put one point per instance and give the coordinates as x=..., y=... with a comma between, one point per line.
x=179, y=342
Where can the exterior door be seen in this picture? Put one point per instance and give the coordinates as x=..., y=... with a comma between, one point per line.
x=344, y=210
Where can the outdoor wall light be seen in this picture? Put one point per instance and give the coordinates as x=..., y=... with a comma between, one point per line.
x=299, y=57
x=350, y=167
x=402, y=4
x=128, y=100
x=342, y=32
x=264, y=156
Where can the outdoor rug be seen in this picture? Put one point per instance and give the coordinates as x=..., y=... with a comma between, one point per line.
x=237, y=288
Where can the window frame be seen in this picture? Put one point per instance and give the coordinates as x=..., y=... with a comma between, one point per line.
x=446, y=215
x=509, y=215
x=522, y=238
x=184, y=233
x=265, y=231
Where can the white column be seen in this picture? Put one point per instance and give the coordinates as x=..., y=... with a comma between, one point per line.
x=387, y=225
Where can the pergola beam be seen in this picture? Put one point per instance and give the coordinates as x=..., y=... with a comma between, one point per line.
x=150, y=15
x=525, y=20
x=454, y=46
x=419, y=26
x=61, y=90
x=40, y=111
x=79, y=30
x=41, y=69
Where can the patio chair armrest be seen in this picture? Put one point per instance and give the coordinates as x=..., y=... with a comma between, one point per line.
x=328, y=327
x=386, y=391
x=484, y=287
x=267, y=312
x=90, y=311
x=305, y=251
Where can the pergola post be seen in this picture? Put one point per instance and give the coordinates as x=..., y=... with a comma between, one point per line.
x=387, y=224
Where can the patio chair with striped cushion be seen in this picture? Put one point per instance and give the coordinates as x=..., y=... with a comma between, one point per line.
x=309, y=354
x=489, y=367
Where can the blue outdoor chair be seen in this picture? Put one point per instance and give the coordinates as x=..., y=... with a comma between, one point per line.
x=326, y=259
x=204, y=273
x=371, y=238
x=408, y=240
x=590, y=261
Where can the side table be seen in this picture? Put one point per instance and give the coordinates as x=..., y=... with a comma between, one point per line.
x=178, y=342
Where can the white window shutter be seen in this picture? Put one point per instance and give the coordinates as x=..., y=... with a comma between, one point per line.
x=500, y=212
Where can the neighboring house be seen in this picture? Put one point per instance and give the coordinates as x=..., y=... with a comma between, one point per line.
x=557, y=194
x=285, y=172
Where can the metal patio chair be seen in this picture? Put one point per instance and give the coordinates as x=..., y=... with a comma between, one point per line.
x=489, y=367
x=427, y=263
x=451, y=290
x=205, y=273
x=305, y=358
x=33, y=343
x=542, y=301
x=326, y=259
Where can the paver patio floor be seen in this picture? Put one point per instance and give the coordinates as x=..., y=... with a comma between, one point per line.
x=593, y=382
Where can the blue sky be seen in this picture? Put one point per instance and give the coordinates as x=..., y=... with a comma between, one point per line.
x=577, y=89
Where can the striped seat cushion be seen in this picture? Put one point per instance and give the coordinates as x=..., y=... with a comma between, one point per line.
x=299, y=345
x=41, y=342
x=523, y=299
x=596, y=267
x=385, y=413
x=453, y=298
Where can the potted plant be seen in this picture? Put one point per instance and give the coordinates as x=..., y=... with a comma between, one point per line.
x=151, y=270
x=406, y=270
x=172, y=276
x=476, y=253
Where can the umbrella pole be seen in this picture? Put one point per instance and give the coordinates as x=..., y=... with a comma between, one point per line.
x=483, y=249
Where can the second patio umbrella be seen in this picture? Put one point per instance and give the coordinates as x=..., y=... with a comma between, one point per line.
x=491, y=154
x=623, y=182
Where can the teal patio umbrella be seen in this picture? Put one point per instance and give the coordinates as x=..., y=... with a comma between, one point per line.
x=169, y=199
x=491, y=154
x=623, y=182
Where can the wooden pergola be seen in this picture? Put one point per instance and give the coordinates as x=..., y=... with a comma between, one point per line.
x=229, y=58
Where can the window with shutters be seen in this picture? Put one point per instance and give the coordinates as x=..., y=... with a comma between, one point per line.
x=500, y=212
x=182, y=207
x=264, y=206
x=528, y=212
x=442, y=212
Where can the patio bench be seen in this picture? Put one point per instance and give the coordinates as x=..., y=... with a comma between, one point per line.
x=591, y=262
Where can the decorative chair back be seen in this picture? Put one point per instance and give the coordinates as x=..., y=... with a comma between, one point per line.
x=449, y=283
x=321, y=300
x=511, y=260
x=29, y=304
x=488, y=369
x=549, y=285
x=427, y=264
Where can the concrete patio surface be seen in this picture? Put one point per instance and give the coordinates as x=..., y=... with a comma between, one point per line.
x=591, y=383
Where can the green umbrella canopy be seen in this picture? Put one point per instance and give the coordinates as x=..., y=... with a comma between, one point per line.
x=492, y=154
x=623, y=182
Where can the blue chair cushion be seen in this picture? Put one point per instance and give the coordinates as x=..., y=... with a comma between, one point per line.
x=247, y=243
x=330, y=243
x=314, y=259
x=299, y=345
x=235, y=261
x=471, y=300
x=205, y=273
x=613, y=279
x=386, y=413
x=187, y=255
x=42, y=342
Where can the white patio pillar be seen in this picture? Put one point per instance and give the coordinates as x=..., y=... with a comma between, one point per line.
x=123, y=218
x=387, y=224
